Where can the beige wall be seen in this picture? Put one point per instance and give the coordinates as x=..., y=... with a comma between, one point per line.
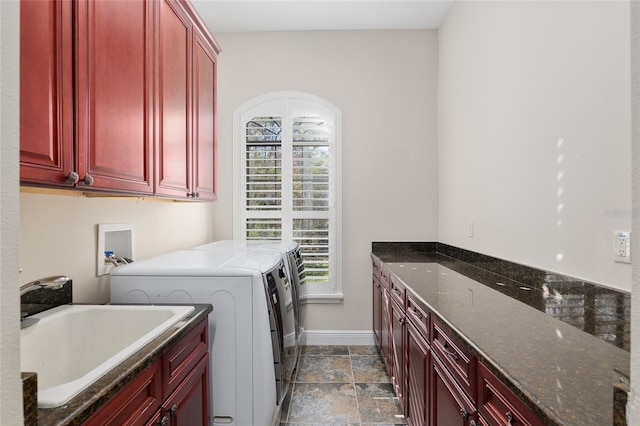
x=10, y=386
x=384, y=82
x=58, y=234
x=535, y=133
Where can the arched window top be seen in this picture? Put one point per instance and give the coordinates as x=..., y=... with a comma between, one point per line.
x=287, y=178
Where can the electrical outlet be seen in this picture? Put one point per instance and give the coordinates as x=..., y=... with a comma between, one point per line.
x=622, y=246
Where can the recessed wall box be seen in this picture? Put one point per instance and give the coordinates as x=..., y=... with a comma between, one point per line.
x=117, y=238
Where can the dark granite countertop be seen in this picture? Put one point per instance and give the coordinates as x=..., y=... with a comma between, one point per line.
x=566, y=375
x=89, y=401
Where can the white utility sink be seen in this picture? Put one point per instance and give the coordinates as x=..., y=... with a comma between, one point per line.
x=72, y=346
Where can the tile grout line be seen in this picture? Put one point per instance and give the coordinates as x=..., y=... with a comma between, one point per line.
x=355, y=391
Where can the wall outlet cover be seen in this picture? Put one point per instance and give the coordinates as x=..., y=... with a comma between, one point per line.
x=622, y=246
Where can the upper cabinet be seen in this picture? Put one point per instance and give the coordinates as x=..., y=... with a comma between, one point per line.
x=114, y=87
x=46, y=87
x=186, y=137
x=131, y=110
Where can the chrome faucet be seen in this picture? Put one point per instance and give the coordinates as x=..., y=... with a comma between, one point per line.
x=53, y=283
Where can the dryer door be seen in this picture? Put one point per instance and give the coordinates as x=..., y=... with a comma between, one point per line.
x=283, y=328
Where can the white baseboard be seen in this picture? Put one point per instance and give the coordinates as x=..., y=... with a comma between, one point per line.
x=337, y=337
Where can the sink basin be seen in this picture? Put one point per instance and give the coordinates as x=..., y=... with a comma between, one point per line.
x=72, y=346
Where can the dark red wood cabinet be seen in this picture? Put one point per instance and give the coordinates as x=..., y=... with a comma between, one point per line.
x=437, y=379
x=418, y=360
x=398, y=321
x=173, y=391
x=46, y=87
x=104, y=84
x=186, y=135
x=499, y=405
x=114, y=94
x=450, y=406
x=378, y=297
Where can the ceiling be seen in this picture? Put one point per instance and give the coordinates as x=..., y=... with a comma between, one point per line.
x=231, y=16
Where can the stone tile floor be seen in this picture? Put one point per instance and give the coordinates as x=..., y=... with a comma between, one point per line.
x=341, y=386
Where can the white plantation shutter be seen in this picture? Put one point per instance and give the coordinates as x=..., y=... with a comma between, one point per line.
x=287, y=175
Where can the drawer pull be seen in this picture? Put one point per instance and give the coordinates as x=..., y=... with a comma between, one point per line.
x=417, y=313
x=402, y=320
x=163, y=422
x=173, y=410
x=396, y=290
x=453, y=354
x=509, y=416
x=465, y=416
x=464, y=413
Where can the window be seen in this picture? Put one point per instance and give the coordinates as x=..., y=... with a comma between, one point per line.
x=287, y=182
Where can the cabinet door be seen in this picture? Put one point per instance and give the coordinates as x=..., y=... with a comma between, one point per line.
x=173, y=153
x=135, y=403
x=449, y=404
x=114, y=41
x=386, y=332
x=397, y=332
x=189, y=404
x=377, y=311
x=418, y=364
x=204, y=93
x=46, y=92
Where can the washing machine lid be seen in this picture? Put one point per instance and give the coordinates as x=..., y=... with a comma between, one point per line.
x=278, y=245
x=201, y=263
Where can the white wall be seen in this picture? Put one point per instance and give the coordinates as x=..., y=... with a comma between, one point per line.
x=534, y=133
x=384, y=82
x=633, y=407
x=58, y=234
x=10, y=386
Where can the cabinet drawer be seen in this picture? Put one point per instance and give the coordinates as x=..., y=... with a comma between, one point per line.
x=376, y=267
x=419, y=315
x=397, y=290
x=134, y=404
x=384, y=277
x=499, y=405
x=183, y=357
x=458, y=360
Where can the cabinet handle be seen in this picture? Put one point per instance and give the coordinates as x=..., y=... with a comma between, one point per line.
x=163, y=422
x=72, y=178
x=453, y=354
x=402, y=320
x=464, y=413
x=87, y=180
x=196, y=194
x=397, y=290
x=377, y=285
x=173, y=410
x=509, y=416
x=417, y=313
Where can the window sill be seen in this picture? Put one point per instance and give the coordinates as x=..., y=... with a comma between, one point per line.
x=321, y=298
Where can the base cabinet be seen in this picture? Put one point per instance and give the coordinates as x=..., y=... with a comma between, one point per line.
x=450, y=406
x=499, y=405
x=188, y=405
x=416, y=397
x=438, y=381
x=173, y=391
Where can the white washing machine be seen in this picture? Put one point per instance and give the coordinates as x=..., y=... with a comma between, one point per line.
x=290, y=252
x=252, y=330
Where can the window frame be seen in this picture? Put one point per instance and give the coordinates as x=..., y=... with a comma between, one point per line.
x=284, y=104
